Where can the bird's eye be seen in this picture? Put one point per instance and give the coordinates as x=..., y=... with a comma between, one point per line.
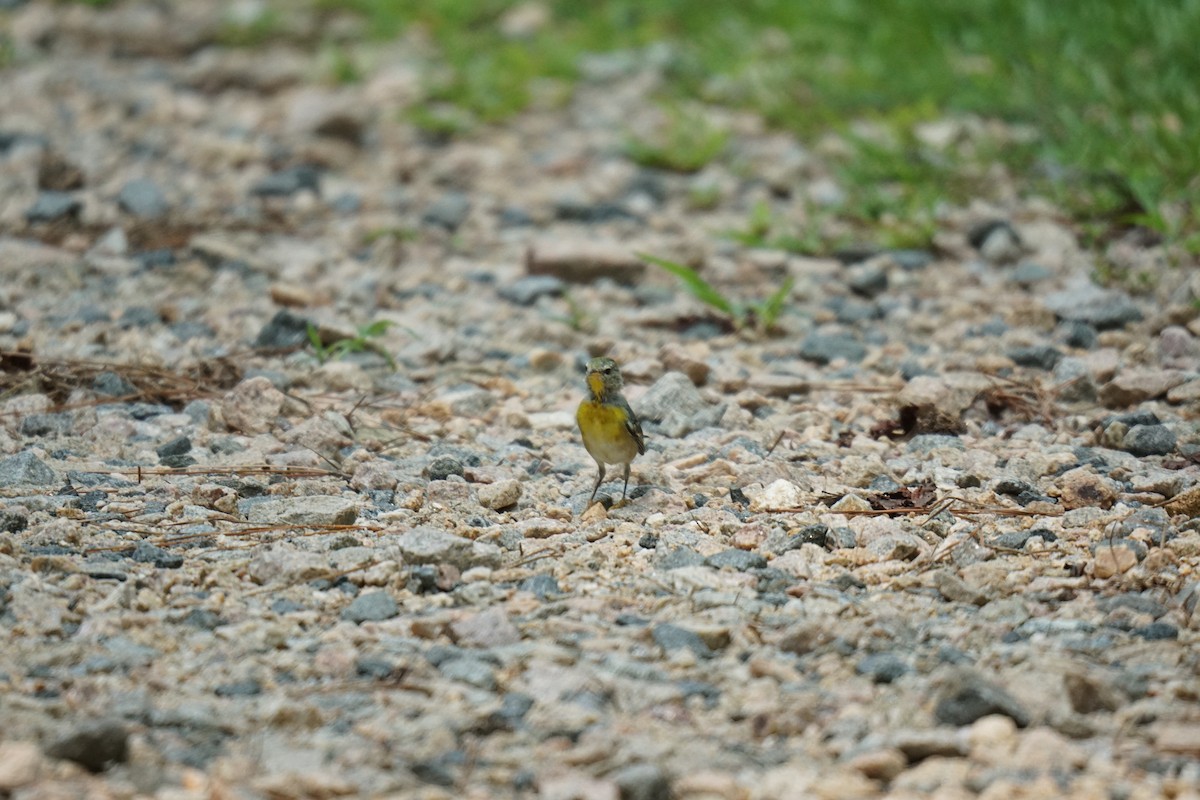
x=608, y=370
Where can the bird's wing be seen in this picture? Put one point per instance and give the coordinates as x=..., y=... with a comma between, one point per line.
x=635, y=429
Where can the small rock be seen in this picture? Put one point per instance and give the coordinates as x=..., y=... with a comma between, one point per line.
x=996, y=240
x=672, y=637
x=26, y=469
x=110, y=384
x=371, y=607
x=779, y=495
x=1157, y=631
x=738, y=560
x=252, y=406
x=449, y=211
x=491, y=628
x=1042, y=356
x=967, y=697
x=288, y=182
x=528, y=290
x=285, y=330
x=868, y=279
x=20, y=765
x=952, y=588
x=882, y=667
x=94, y=746
x=778, y=385
x=500, y=495
x=147, y=553
x=879, y=765
x=303, y=511
x=642, y=782
x=443, y=467
x=176, y=447
x=1087, y=693
x=1185, y=393
x=1115, y=559
x=678, y=358
x=1182, y=738
x=825, y=348
x=1089, y=304
x=584, y=261
x=51, y=206
x=1132, y=386
x=432, y=546
x=1082, y=487
x=142, y=198
x=676, y=406
x=471, y=671
x=1148, y=440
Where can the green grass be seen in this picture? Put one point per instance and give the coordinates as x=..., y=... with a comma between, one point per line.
x=760, y=314
x=686, y=143
x=362, y=341
x=1109, y=89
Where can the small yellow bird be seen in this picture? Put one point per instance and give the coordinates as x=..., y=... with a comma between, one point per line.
x=611, y=431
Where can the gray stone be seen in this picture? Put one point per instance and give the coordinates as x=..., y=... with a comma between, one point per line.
x=288, y=182
x=739, y=560
x=94, y=746
x=966, y=697
x=1100, y=308
x=111, y=384
x=672, y=637
x=432, y=546
x=824, y=348
x=371, y=607
x=882, y=667
x=285, y=330
x=25, y=469
x=528, y=290
x=1028, y=273
x=674, y=403
x=471, y=671
x=176, y=447
x=35, y=425
x=1073, y=381
x=51, y=206
x=1041, y=356
x=443, y=467
x=642, y=782
x=499, y=495
x=142, y=198
x=1148, y=440
x=868, y=280
x=448, y=211
x=303, y=510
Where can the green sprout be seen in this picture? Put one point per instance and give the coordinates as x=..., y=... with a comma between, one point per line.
x=762, y=314
x=359, y=343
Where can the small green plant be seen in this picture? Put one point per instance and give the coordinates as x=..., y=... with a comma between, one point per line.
x=763, y=230
x=250, y=32
x=687, y=143
x=343, y=67
x=359, y=343
x=762, y=314
x=703, y=198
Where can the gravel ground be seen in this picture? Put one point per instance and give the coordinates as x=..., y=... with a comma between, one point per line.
x=934, y=536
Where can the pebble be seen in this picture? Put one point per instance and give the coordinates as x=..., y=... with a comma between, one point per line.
x=143, y=198
x=93, y=746
x=675, y=405
x=672, y=637
x=583, y=261
x=426, y=545
x=500, y=495
x=449, y=211
x=253, y=406
x=21, y=764
x=311, y=510
x=642, y=782
x=51, y=206
x=967, y=697
x=1101, y=309
x=371, y=607
x=491, y=628
x=287, y=182
x=285, y=330
x=26, y=469
x=823, y=349
x=528, y=290
x=1149, y=440
x=1130, y=387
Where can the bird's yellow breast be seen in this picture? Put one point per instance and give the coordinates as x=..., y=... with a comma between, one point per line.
x=605, y=434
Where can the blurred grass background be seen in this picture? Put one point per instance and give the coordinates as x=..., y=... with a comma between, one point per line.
x=1105, y=94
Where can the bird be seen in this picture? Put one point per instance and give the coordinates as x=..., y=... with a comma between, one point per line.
x=611, y=431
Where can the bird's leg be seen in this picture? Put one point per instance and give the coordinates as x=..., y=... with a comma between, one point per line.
x=626, y=488
x=599, y=480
